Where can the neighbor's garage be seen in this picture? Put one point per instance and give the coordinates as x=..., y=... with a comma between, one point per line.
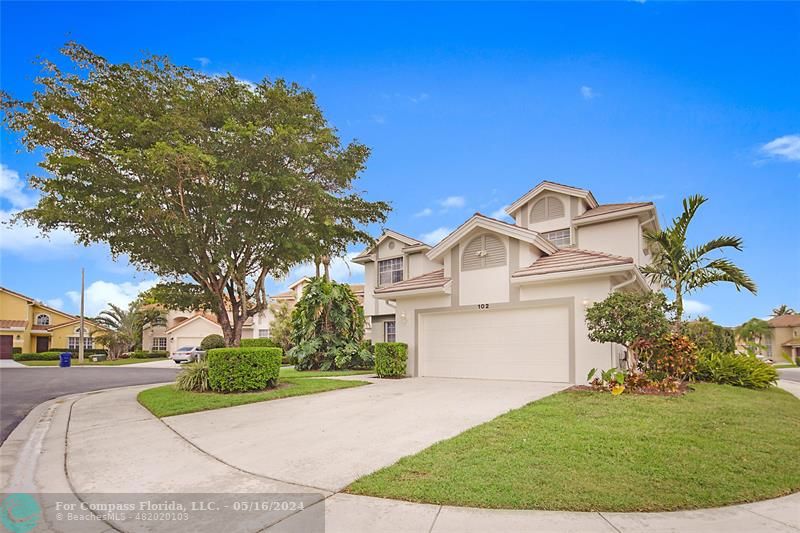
x=180, y=342
x=530, y=343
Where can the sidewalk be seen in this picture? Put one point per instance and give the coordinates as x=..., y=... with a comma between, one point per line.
x=70, y=445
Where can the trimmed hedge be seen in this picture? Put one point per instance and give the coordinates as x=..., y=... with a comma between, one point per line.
x=41, y=356
x=243, y=369
x=88, y=351
x=258, y=343
x=212, y=341
x=144, y=354
x=735, y=369
x=390, y=359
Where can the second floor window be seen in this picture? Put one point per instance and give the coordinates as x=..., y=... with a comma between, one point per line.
x=390, y=271
x=263, y=333
x=559, y=237
x=42, y=320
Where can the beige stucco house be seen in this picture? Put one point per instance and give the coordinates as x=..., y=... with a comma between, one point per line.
x=784, y=338
x=506, y=300
x=188, y=328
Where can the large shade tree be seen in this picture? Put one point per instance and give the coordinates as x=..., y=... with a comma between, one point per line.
x=212, y=183
x=683, y=269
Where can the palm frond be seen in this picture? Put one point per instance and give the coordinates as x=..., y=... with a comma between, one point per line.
x=720, y=270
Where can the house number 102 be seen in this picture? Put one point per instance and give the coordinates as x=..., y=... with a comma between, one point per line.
x=483, y=306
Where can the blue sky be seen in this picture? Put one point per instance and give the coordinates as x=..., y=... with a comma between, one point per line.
x=467, y=106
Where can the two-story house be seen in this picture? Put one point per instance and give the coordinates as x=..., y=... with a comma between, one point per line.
x=27, y=325
x=503, y=300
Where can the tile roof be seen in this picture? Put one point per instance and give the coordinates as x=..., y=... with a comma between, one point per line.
x=784, y=321
x=13, y=324
x=611, y=208
x=431, y=280
x=571, y=259
x=792, y=342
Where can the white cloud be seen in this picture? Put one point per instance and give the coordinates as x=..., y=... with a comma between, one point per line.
x=27, y=241
x=58, y=303
x=500, y=214
x=436, y=235
x=100, y=293
x=424, y=213
x=693, y=307
x=12, y=189
x=421, y=97
x=378, y=119
x=453, y=201
x=786, y=147
x=204, y=61
x=587, y=92
x=646, y=198
x=342, y=269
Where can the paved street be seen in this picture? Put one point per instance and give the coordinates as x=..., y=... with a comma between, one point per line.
x=790, y=374
x=21, y=389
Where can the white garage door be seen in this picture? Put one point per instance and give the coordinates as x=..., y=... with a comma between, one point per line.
x=187, y=341
x=521, y=344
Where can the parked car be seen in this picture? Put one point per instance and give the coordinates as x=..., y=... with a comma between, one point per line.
x=187, y=354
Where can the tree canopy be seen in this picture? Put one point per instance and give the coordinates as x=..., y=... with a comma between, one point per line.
x=212, y=183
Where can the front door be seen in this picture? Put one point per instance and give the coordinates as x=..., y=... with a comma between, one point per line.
x=42, y=344
x=6, y=346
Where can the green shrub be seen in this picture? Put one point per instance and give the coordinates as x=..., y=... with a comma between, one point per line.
x=212, y=341
x=143, y=354
x=243, y=369
x=390, y=359
x=710, y=336
x=738, y=369
x=87, y=351
x=193, y=377
x=257, y=343
x=41, y=356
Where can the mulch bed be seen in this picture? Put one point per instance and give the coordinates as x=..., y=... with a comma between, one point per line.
x=644, y=391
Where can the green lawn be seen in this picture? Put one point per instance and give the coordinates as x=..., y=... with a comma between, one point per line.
x=88, y=362
x=167, y=401
x=584, y=451
x=290, y=372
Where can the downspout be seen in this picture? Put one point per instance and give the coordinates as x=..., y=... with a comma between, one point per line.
x=624, y=283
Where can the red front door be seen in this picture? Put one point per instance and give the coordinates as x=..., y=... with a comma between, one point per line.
x=6, y=346
x=42, y=344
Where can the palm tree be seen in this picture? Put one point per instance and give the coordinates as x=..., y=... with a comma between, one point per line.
x=783, y=309
x=684, y=270
x=754, y=331
x=125, y=326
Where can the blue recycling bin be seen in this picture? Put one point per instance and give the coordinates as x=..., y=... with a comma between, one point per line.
x=66, y=360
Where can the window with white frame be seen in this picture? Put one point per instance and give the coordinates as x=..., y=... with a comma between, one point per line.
x=559, y=237
x=389, y=331
x=74, y=342
x=159, y=344
x=43, y=320
x=390, y=271
x=263, y=333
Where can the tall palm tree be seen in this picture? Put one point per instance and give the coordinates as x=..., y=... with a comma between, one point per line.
x=754, y=331
x=783, y=309
x=684, y=270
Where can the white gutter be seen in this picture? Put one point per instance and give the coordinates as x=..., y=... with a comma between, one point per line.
x=624, y=283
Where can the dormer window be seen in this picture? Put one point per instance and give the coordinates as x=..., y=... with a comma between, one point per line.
x=390, y=271
x=43, y=320
x=559, y=237
x=546, y=209
x=484, y=251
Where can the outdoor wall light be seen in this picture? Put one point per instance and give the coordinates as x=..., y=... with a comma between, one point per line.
x=403, y=317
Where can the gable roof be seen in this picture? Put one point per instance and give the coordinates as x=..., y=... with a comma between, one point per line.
x=613, y=211
x=410, y=242
x=571, y=259
x=13, y=324
x=190, y=320
x=784, y=321
x=553, y=187
x=304, y=279
x=36, y=302
x=492, y=224
x=74, y=321
x=431, y=280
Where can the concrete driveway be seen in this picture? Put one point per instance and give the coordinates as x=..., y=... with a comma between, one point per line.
x=326, y=441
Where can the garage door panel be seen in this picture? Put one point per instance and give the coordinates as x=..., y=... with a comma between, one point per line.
x=520, y=344
x=188, y=341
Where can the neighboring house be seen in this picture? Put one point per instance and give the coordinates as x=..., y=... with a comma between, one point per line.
x=506, y=300
x=187, y=328
x=27, y=325
x=784, y=338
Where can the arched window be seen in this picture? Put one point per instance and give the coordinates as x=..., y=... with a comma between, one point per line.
x=484, y=251
x=547, y=208
x=43, y=319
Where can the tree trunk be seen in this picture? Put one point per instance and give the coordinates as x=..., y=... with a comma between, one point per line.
x=326, y=263
x=678, y=308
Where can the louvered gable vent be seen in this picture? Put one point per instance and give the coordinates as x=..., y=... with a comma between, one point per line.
x=484, y=251
x=546, y=209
